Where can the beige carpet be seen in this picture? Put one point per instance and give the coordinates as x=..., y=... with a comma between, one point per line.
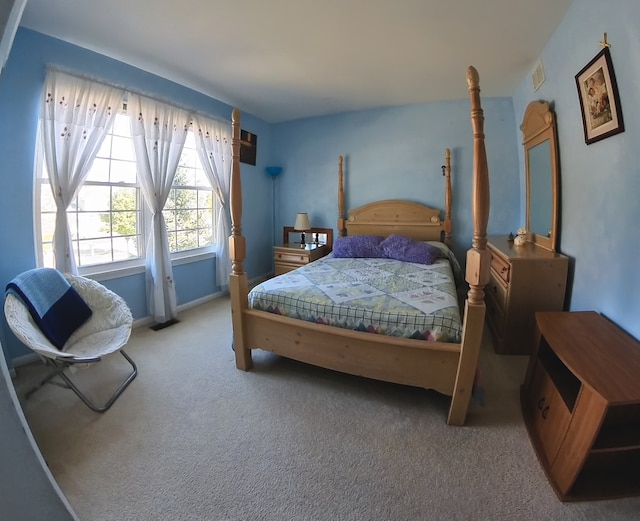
x=193, y=438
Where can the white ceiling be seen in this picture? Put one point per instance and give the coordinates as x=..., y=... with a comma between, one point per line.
x=287, y=59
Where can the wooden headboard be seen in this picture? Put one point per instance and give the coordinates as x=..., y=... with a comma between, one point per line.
x=395, y=216
x=391, y=216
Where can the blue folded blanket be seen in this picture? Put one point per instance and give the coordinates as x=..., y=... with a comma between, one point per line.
x=54, y=304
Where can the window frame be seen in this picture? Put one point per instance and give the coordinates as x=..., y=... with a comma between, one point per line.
x=118, y=268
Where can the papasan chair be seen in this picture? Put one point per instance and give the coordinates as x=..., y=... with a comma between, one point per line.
x=106, y=331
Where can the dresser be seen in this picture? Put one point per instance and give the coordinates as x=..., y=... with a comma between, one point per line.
x=581, y=405
x=524, y=279
x=288, y=257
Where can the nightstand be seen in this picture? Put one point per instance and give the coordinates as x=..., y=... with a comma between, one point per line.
x=290, y=256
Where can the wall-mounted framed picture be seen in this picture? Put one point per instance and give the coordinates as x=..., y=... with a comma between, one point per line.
x=248, y=147
x=599, y=99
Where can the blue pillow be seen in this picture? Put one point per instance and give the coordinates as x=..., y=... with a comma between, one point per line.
x=358, y=246
x=405, y=249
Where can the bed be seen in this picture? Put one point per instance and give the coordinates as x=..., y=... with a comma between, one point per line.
x=445, y=363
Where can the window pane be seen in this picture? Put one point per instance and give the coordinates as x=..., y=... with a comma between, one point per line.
x=123, y=172
x=94, y=251
x=47, y=204
x=205, y=218
x=124, y=223
x=99, y=170
x=125, y=248
x=188, y=157
x=169, y=219
x=172, y=242
x=205, y=199
x=105, y=148
x=187, y=240
x=93, y=224
x=190, y=142
x=121, y=126
x=122, y=149
x=186, y=219
x=47, y=255
x=124, y=198
x=73, y=225
x=95, y=198
x=184, y=177
x=48, y=226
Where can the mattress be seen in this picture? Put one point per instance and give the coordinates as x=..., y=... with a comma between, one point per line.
x=377, y=295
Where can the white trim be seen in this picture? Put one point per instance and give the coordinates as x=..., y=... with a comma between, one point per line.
x=195, y=255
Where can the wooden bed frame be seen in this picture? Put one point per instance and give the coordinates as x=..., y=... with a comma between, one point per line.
x=446, y=367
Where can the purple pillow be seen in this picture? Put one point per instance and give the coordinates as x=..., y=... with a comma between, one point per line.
x=405, y=249
x=358, y=246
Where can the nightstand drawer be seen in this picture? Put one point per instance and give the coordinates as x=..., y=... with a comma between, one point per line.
x=288, y=257
x=293, y=258
x=501, y=267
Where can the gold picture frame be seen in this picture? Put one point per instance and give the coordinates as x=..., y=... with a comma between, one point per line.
x=599, y=98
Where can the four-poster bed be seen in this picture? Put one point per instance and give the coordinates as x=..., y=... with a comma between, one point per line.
x=448, y=367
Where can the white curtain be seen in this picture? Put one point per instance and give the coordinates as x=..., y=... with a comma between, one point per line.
x=76, y=115
x=159, y=132
x=213, y=143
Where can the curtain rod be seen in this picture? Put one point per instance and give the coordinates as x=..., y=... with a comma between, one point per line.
x=95, y=79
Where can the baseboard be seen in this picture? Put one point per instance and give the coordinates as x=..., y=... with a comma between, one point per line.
x=148, y=320
x=22, y=360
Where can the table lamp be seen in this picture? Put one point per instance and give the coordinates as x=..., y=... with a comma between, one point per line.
x=302, y=224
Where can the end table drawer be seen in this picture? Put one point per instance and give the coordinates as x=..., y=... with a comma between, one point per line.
x=293, y=258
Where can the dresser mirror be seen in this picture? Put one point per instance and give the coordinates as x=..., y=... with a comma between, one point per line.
x=541, y=172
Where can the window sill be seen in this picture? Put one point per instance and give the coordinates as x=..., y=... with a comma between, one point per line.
x=100, y=273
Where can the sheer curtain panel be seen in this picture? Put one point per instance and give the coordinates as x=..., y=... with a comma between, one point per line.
x=75, y=116
x=213, y=142
x=158, y=131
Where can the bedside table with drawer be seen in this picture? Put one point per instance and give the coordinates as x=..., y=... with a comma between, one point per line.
x=288, y=257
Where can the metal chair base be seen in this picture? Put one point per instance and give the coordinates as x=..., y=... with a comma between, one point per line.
x=60, y=365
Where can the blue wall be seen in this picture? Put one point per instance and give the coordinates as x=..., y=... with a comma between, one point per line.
x=20, y=89
x=397, y=153
x=600, y=183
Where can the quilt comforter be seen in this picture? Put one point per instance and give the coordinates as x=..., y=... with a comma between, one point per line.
x=377, y=295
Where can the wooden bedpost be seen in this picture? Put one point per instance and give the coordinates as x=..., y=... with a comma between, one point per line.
x=448, y=236
x=237, y=251
x=341, y=228
x=478, y=263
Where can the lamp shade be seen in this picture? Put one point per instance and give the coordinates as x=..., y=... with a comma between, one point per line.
x=302, y=222
x=273, y=171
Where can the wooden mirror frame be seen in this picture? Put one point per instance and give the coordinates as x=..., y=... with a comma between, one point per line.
x=538, y=126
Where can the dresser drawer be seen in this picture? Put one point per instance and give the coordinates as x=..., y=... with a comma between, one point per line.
x=501, y=267
x=495, y=318
x=498, y=291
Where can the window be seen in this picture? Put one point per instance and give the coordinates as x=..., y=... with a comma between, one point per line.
x=189, y=210
x=106, y=218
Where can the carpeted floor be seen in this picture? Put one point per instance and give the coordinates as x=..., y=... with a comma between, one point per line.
x=193, y=438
